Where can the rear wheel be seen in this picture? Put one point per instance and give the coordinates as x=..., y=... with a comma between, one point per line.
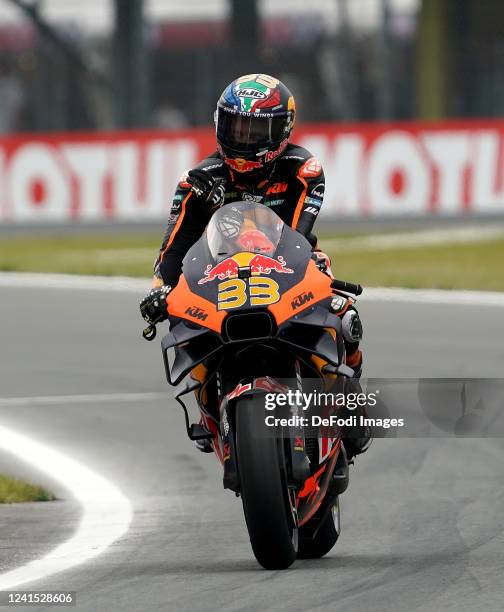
x=267, y=502
x=325, y=538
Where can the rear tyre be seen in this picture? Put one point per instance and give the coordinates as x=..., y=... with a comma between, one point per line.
x=326, y=538
x=265, y=496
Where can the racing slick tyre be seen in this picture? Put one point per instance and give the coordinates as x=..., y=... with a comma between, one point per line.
x=325, y=538
x=271, y=522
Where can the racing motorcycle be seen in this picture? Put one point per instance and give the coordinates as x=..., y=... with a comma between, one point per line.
x=250, y=316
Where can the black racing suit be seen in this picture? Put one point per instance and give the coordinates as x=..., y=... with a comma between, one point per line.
x=294, y=190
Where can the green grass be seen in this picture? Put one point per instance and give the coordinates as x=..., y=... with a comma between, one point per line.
x=13, y=491
x=454, y=266
x=477, y=266
x=125, y=255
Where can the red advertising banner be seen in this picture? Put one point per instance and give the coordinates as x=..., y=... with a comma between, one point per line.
x=372, y=170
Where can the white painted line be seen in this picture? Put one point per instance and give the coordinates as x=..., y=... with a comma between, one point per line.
x=70, y=281
x=450, y=297
x=55, y=400
x=107, y=513
x=141, y=286
x=411, y=240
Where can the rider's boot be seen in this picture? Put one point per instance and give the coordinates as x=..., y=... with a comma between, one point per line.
x=205, y=446
x=356, y=439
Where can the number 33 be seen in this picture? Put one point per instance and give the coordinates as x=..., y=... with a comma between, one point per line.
x=233, y=292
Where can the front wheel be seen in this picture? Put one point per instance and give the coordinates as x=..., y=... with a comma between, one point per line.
x=267, y=502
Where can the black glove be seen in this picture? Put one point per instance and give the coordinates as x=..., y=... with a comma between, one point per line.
x=206, y=187
x=153, y=306
x=323, y=262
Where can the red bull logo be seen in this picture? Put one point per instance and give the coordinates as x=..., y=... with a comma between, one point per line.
x=255, y=262
x=227, y=268
x=262, y=264
x=242, y=165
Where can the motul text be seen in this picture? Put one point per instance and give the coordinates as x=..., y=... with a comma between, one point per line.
x=403, y=169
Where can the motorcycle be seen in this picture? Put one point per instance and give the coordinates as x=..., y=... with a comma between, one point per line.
x=250, y=316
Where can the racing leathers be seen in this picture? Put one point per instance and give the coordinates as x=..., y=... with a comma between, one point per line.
x=294, y=189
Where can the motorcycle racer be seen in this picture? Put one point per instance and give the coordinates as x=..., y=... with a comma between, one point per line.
x=254, y=161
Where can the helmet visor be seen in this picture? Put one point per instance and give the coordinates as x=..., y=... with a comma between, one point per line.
x=250, y=133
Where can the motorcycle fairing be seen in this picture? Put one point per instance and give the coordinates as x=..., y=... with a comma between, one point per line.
x=181, y=332
x=313, y=286
x=184, y=303
x=311, y=496
x=309, y=334
x=192, y=345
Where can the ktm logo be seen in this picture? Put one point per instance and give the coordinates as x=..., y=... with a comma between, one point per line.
x=301, y=299
x=197, y=313
x=277, y=188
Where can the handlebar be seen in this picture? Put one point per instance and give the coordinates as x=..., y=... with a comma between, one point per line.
x=347, y=287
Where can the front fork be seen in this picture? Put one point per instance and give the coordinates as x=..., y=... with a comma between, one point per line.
x=296, y=461
x=299, y=461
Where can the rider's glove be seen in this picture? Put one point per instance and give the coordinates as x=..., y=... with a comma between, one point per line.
x=153, y=306
x=206, y=187
x=323, y=262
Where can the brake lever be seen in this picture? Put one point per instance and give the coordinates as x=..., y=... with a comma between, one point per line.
x=149, y=333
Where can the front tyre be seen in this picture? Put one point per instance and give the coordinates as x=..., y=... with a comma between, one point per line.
x=265, y=496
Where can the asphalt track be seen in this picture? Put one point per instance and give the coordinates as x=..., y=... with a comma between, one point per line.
x=345, y=224
x=422, y=520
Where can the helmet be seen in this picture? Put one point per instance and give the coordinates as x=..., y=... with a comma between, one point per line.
x=256, y=241
x=230, y=224
x=254, y=119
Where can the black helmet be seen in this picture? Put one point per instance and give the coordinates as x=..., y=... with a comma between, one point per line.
x=254, y=119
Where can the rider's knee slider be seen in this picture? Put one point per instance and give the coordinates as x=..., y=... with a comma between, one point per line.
x=351, y=326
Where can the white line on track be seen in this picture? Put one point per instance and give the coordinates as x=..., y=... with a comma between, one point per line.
x=140, y=286
x=433, y=296
x=55, y=400
x=69, y=281
x=107, y=513
x=412, y=240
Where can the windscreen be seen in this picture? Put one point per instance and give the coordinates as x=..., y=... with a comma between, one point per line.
x=243, y=226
